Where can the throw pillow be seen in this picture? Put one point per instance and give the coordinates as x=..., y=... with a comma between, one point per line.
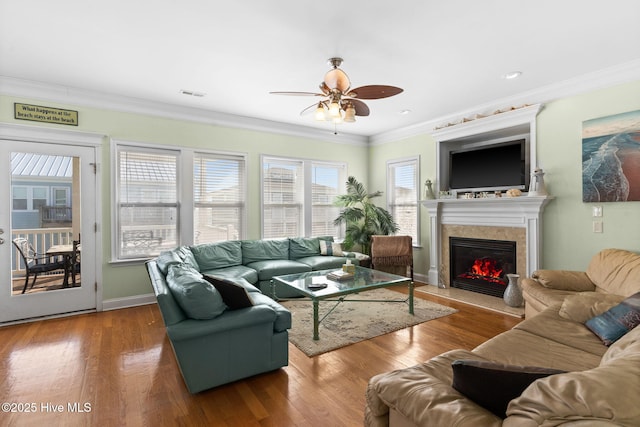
x=617, y=321
x=197, y=298
x=233, y=295
x=330, y=248
x=585, y=305
x=493, y=385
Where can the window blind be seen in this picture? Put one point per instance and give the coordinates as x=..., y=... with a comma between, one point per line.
x=403, y=196
x=147, y=198
x=219, y=197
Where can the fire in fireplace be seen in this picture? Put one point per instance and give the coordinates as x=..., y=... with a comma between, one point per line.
x=481, y=265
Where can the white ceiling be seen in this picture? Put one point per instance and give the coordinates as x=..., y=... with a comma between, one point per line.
x=448, y=55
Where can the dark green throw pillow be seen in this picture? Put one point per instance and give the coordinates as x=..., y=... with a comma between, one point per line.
x=493, y=385
x=197, y=298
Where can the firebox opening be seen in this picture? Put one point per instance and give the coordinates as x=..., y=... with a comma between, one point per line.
x=481, y=265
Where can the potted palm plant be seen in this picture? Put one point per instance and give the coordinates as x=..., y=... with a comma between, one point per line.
x=362, y=218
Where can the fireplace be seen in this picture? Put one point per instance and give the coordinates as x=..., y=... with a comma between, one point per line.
x=481, y=265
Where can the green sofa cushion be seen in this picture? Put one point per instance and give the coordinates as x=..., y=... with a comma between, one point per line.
x=277, y=267
x=197, y=298
x=234, y=273
x=211, y=256
x=264, y=250
x=300, y=247
x=179, y=255
x=325, y=262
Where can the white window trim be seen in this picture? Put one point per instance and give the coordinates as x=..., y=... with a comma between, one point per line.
x=307, y=206
x=405, y=161
x=184, y=176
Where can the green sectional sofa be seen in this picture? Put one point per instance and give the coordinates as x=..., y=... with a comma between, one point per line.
x=219, y=337
x=258, y=261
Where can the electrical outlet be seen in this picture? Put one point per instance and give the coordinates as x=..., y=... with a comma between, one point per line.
x=597, y=211
x=597, y=226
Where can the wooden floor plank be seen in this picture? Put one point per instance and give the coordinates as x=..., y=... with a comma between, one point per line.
x=120, y=363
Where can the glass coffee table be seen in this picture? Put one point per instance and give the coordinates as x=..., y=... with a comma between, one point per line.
x=315, y=286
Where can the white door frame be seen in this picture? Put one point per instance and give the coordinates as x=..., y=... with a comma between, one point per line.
x=34, y=134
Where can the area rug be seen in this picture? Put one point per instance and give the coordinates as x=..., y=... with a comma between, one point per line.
x=355, y=321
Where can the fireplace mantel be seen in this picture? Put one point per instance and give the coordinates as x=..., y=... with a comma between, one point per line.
x=523, y=212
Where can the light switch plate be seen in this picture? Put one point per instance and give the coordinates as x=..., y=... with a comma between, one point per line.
x=597, y=211
x=597, y=226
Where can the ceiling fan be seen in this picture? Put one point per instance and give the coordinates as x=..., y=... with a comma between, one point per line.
x=340, y=102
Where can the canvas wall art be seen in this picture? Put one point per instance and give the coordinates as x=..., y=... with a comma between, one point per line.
x=611, y=158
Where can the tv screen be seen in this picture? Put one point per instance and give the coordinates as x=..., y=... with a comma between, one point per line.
x=498, y=167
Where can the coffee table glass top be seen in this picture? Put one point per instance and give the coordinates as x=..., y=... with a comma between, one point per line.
x=363, y=279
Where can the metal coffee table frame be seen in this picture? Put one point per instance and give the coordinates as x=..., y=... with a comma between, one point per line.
x=337, y=291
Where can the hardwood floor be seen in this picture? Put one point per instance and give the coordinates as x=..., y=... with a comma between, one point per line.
x=116, y=368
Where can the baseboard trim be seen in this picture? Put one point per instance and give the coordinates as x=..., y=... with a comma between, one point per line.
x=126, y=302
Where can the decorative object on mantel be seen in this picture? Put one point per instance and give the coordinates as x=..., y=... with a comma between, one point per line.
x=513, y=294
x=536, y=186
x=479, y=116
x=428, y=190
x=514, y=192
x=450, y=194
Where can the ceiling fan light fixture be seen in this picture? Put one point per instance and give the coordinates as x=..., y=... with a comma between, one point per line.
x=320, y=114
x=334, y=109
x=350, y=113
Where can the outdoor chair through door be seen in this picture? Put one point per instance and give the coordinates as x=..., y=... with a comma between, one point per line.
x=36, y=263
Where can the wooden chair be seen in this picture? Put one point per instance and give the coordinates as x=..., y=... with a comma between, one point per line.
x=392, y=254
x=34, y=262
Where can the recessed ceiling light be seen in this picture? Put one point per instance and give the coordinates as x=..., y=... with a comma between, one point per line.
x=404, y=112
x=512, y=75
x=192, y=93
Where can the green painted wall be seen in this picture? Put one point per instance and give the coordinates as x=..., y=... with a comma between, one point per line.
x=125, y=280
x=568, y=240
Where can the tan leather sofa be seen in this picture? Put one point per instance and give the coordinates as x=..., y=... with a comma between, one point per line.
x=611, y=271
x=600, y=388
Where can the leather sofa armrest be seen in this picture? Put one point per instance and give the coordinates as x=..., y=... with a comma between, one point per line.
x=565, y=280
x=229, y=320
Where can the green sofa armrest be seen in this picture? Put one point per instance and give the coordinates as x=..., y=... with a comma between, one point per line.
x=229, y=320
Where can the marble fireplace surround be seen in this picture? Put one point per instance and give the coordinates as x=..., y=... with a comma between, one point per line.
x=516, y=219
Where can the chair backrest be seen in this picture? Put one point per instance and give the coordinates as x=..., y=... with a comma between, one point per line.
x=392, y=251
x=26, y=250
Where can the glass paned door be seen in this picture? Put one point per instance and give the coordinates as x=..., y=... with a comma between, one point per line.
x=49, y=264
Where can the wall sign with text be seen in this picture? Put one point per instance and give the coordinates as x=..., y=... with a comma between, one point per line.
x=38, y=113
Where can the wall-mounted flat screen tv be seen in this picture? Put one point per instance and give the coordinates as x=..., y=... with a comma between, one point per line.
x=489, y=168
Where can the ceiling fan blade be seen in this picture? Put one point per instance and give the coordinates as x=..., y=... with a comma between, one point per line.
x=374, y=92
x=309, y=109
x=297, y=93
x=361, y=107
x=337, y=79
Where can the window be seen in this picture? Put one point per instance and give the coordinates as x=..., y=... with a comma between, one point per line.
x=297, y=197
x=402, y=196
x=147, y=201
x=29, y=198
x=167, y=197
x=327, y=181
x=219, y=197
x=20, y=199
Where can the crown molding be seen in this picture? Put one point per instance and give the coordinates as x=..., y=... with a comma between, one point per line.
x=69, y=95
x=623, y=73
x=611, y=76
